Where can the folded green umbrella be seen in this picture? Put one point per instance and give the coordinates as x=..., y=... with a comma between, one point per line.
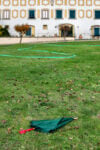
x=48, y=126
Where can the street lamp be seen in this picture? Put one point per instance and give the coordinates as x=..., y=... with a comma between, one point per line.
x=78, y=31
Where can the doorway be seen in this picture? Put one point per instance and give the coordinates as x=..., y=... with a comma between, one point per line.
x=66, y=30
x=28, y=33
x=31, y=31
x=96, y=31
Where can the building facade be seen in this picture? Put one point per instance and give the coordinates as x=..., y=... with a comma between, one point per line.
x=53, y=18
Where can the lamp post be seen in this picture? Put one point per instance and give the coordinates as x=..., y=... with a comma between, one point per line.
x=90, y=33
x=78, y=31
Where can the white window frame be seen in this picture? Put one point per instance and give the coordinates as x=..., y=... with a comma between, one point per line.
x=45, y=14
x=6, y=14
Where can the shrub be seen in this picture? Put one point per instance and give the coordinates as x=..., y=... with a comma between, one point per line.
x=4, y=31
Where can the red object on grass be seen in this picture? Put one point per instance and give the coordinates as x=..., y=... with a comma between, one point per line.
x=27, y=130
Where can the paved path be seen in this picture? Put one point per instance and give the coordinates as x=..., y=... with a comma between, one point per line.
x=6, y=41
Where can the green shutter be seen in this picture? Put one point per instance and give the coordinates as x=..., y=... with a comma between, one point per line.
x=58, y=14
x=72, y=14
x=31, y=14
x=28, y=33
x=97, y=14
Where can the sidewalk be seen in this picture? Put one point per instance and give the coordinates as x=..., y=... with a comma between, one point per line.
x=13, y=40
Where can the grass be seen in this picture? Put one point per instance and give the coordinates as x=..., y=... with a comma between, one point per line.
x=50, y=88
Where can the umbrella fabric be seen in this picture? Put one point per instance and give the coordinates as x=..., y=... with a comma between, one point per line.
x=50, y=125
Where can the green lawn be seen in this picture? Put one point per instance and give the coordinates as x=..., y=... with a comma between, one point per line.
x=49, y=88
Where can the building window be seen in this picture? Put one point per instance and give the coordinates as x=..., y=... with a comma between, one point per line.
x=96, y=31
x=97, y=2
x=72, y=14
x=89, y=2
x=72, y=2
x=97, y=14
x=81, y=2
x=31, y=2
x=15, y=13
x=45, y=2
x=45, y=14
x=23, y=13
x=59, y=2
x=31, y=14
x=6, y=2
x=15, y=2
x=45, y=27
x=22, y=2
x=58, y=14
x=6, y=14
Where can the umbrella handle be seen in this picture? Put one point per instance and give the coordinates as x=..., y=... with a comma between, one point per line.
x=27, y=130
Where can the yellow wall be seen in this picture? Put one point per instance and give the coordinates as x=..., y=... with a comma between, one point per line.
x=33, y=31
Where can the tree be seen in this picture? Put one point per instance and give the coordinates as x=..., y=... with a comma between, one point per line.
x=22, y=29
